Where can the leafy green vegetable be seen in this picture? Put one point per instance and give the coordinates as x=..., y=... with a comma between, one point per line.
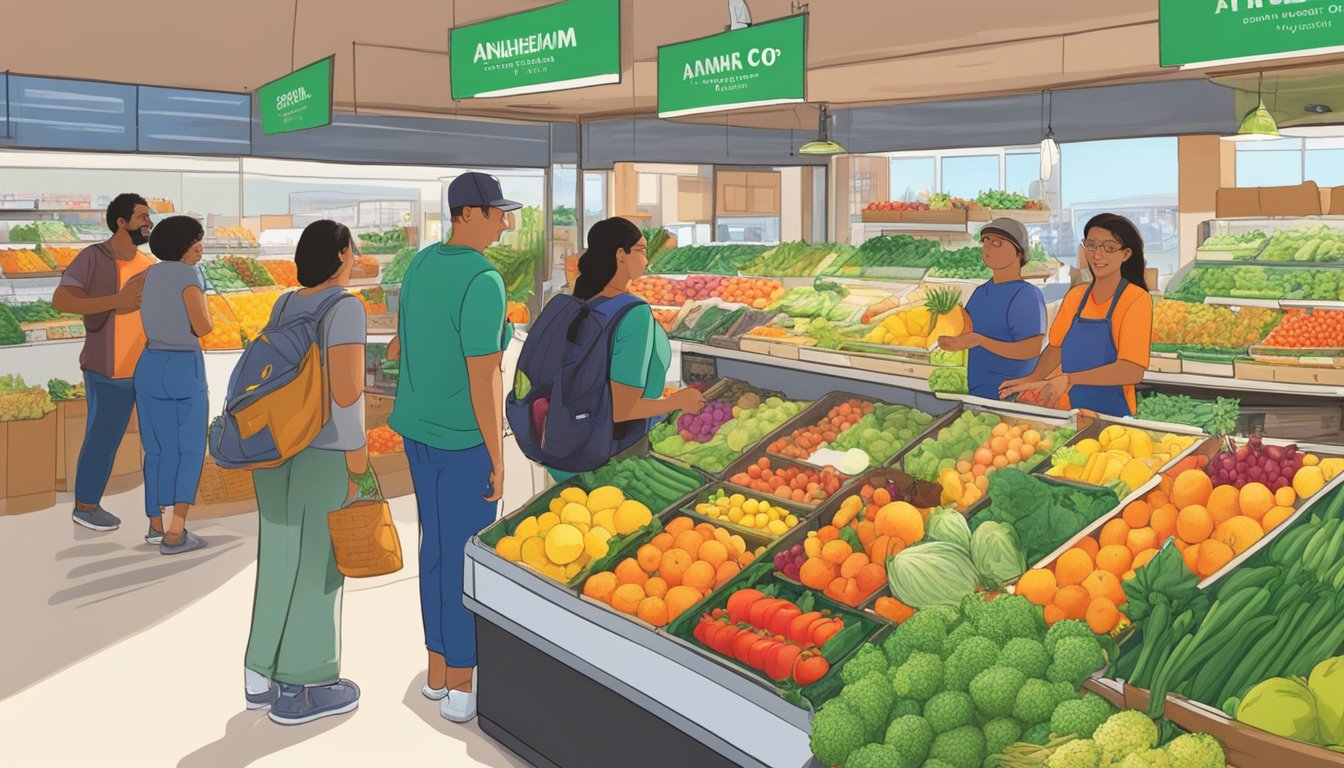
x=1218, y=417
x=397, y=269
x=1044, y=514
x=10, y=332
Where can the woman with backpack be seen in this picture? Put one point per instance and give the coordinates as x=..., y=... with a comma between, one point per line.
x=293, y=653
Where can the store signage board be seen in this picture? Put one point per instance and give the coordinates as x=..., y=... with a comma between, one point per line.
x=574, y=44
x=752, y=67
x=1196, y=33
x=298, y=101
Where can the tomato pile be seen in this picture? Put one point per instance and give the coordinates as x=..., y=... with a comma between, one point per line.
x=800, y=484
x=771, y=634
x=384, y=441
x=896, y=205
x=807, y=440
x=1309, y=329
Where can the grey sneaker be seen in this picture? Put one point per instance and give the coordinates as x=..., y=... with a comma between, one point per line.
x=188, y=543
x=152, y=536
x=261, y=700
x=96, y=519
x=299, y=704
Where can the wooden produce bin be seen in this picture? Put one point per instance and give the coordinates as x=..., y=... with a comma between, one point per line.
x=393, y=470
x=28, y=467
x=71, y=421
x=223, y=492
x=128, y=468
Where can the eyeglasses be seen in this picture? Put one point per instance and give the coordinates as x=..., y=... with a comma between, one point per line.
x=1109, y=246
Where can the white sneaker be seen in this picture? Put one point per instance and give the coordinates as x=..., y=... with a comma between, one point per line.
x=433, y=694
x=458, y=706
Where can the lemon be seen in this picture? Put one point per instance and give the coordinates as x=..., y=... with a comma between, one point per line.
x=564, y=544
x=576, y=514
x=574, y=495
x=735, y=515
x=605, y=519
x=510, y=548
x=762, y=520
x=777, y=527
x=547, y=521
x=595, y=542
x=738, y=500
x=606, y=497
x=534, y=553
x=526, y=529
x=791, y=521
x=631, y=516
x=751, y=506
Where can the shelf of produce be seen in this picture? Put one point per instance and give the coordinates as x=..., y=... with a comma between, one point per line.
x=1021, y=214
x=1245, y=384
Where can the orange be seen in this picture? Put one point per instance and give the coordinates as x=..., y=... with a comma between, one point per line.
x=1213, y=555
x=1053, y=613
x=627, y=598
x=746, y=559
x=1141, y=539
x=1225, y=503
x=1105, y=584
x=1038, y=585
x=1088, y=545
x=689, y=542
x=629, y=572
x=871, y=577
x=1158, y=499
x=1239, y=533
x=736, y=545
x=675, y=563
x=706, y=531
x=1275, y=516
x=817, y=572
x=663, y=541
x=1102, y=615
x=655, y=587
x=679, y=599
x=649, y=557
x=714, y=553
x=1115, y=558
x=1163, y=522
x=1114, y=532
x=680, y=525
x=853, y=564
x=1137, y=513
x=700, y=575
x=836, y=552
x=1285, y=496
x=726, y=571
x=652, y=610
x=1073, y=567
x=1191, y=557
x=1073, y=600
x=600, y=586
x=1194, y=524
x=1143, y=558
x=1256, y=500
x=1127, y=575
x=1192, y=487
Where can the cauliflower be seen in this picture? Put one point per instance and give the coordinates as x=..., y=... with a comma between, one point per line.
x=869, y=658
x=920, y=677
x=1007, y=617
x=925, y=631
x=1000, y=733
x=1196, y=750
x=836, y=732
x=1080, y=717
x=871, y=699
x=994, y=691
x=1132, y=760
x=1037, y=700
x=959, y=634
x=878, y=756
x=962, y=747
x=912, y=736
x=1037, y=734
x=1080, y=753
x=1125, y=732
x=1062, y=629
x=1026, y=655
x=974, y=656
x=949, y=710
x=1075, y=659
x=1157, y=758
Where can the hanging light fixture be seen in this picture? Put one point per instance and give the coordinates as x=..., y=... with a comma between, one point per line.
x=1258, y=124
x=823, y=145
x=1049, y=147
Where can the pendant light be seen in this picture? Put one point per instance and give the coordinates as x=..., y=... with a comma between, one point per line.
x=823, y=145
x=1049, y=147
x=1258, y=124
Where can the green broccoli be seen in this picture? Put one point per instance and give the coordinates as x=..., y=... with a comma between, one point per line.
x=879, y=756
x=871, y=699
x=1037, y=700
x=925, y=631
x=975, y=655
x=920, y=677
x=1080, y=717
x=1026, y=655
x=1000, y=733
x=1004, y=618
x=1125, y=732
x=1196, y=750
x=949, y=710
x=962, y=747
x=912, y=736
x=947, y=613
x=1062, y=629
x=1080, y=753
x=1037, y=734
x=897, y=648
x=938, y=764
x=959, y=634
x=836, y=732
x=869, y=658
x=995, y=690
x=1075, y=659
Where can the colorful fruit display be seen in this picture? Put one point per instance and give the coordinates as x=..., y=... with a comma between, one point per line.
x=253, y=274
x=235, y=233
x=747, y=427
x=559, y=543
x=734, y=396
x=253, y=310
x=1012, y=443
x=62, y=255
x=846, y=560
x=373, y=299
x=806, y=440
x=897, y=205
x=958, y=441
x=666, y=318
x=920, y=327
x=884, y=432
x=772, y=635
x=1195, y=324
x=19, y=261
x=1256, y=282
x=383, y=441
x=758, y=515
x=220, y=276
x=1127, y=454
x=671, y=573
x=282, y=271
x=800, y=484
x=1309, y=329
x=645, y=479
x=19, y=402
x=662, y=291
x=701, y=427
x=226, y=331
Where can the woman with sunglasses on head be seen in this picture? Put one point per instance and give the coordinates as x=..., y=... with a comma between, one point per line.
x=1007, y=314
x=1099, y=341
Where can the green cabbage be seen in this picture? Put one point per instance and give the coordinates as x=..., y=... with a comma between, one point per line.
x=1282, y=707
x=996, y=554
x=932, y=573
x=948, y=525
x=1327, y=683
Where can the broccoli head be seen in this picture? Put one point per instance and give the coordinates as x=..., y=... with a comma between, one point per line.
x=1026, y=655
x=1132, y=760
x=871, y=699
x=1123, y=733
x=925, y=631
x=912, y=736
x=1000, y=733
x=958, y=635
x=836, y=732
x=947, y=613
x=869, y=658
x=1080, y=753
x=1075, y=659
x=994, y=691
x=1007, y=617
x=878, y=756
x=1062, y=629
x=938, y=764
x=897, y=648
x=905, y=707
x=1080, y=717
x=962, y=747
x=1037, y=734
x=949, y=710
x=1196, y=750
x=973, y=656
x=920, y=677
x=1037, y=700
x=1157, y=758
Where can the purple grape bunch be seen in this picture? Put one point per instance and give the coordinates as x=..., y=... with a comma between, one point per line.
x=1256, y=462
x=789, y=562
x=701, y=428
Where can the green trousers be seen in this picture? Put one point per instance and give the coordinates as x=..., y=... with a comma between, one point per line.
x=296, y=610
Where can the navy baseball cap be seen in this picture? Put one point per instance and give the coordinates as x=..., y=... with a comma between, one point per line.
x=479, y=189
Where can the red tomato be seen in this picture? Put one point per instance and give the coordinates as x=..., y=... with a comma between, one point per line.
x=799, y=628
x=782, y=621
x=779, y=666
x=810, y=667
x=740, y=603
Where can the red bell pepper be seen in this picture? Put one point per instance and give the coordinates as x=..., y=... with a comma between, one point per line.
x=740, y=602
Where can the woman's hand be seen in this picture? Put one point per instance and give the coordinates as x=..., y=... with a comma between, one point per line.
x=958, y=343
x=1047, y=391
x=690, y=400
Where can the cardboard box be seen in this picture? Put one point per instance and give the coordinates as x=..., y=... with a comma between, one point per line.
x=30, y=465
x=377, y=409
x=1164, y=363
x=1336, y=201
x=393, y=471
x=1316, y=423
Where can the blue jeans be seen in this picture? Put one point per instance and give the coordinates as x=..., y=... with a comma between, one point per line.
x=170, y=395
x=449, y=486
x=110, y=404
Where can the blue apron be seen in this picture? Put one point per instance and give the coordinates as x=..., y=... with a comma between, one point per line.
x=1090, y=344
x=988, y=309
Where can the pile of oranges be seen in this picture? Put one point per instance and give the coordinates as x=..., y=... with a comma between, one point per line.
x=665, y=318
x=63, y=255
x=282, y=271
x=253, y=310
x=227, y=332
x=673, y=572
x=383, y=441
x=755, y=292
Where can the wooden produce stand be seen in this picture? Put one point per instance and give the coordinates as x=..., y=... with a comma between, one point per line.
x=27, y=468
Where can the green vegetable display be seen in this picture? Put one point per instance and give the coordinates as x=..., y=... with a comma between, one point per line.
x=62, y=390
x=1217, y=417
x=390, y=241
x=10, y=332
x=796, y=259
x=709, y=322
x=962, y=264
x=1255, y=282
x=564, y=216
x=220, y=276
x=888, y=251
x=397, y=269
x=1002, y=201
x=39, y=311
x=1242, y=246
x=656, y=239
x=647, y=480
x=951, y=380
x=43, y=232
x=1304, y=245
x=884, y=432
x=516, y=267
x=932, y=573
x=1044, y=515
x=705, y=259
x=807, y=302
x=997, y=554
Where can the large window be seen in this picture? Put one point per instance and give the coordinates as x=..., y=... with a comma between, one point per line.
x=1136, y=178
x=969, y=176
x=912, y=177
x=1288, y=161
x=966, y=173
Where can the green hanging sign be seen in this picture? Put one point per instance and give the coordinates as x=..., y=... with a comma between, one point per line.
x=1194, y=32
x=752, y=67
x=298, y=101
x=573, y=44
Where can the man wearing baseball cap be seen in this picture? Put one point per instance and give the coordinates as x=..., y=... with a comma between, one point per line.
x=449, y=409
x=1007, y=314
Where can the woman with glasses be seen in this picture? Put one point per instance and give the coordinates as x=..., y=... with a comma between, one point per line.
x=1099, y=342
x=1007, y=314
x=617, y=255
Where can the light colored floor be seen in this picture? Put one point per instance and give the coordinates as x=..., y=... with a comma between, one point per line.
x=112, y=655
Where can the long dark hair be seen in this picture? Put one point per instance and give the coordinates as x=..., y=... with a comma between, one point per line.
x=1124, y=230
x=318, y=254
x=597, y=265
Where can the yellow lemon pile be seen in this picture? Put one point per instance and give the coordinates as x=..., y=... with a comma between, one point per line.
x=576, y=529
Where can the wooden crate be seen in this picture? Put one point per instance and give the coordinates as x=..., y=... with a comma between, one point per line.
x=29, y=474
